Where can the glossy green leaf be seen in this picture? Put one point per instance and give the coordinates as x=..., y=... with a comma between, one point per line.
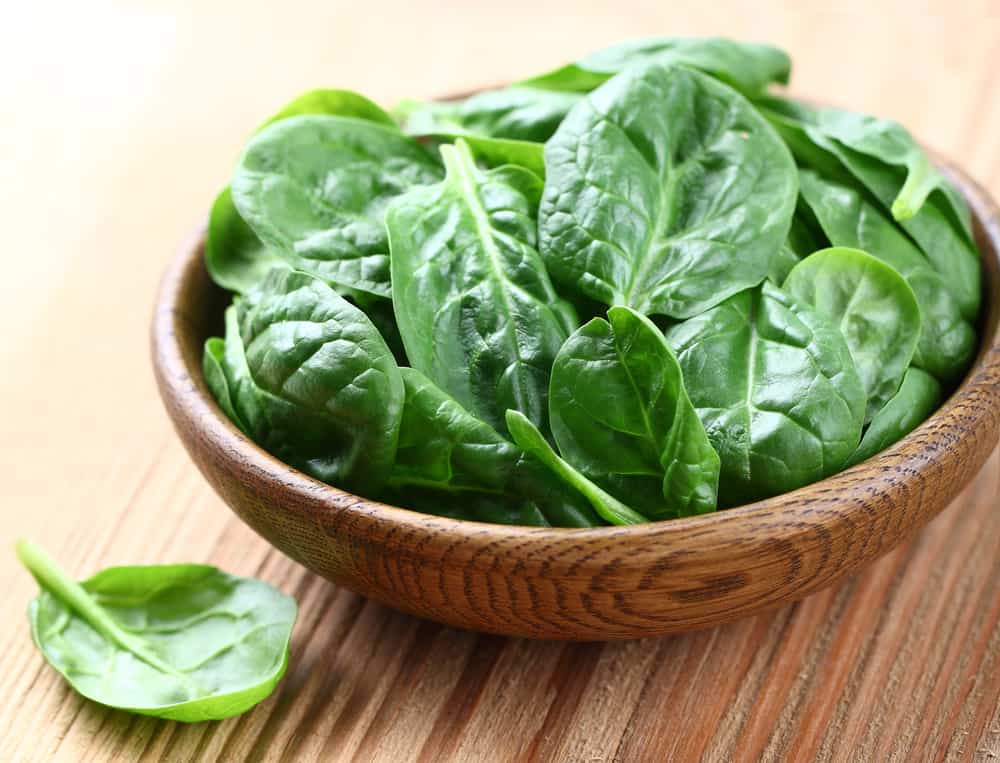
x=851, y=148
x=213, y=359
x=697, y=201
x=527, y=436
x=621, y=416
x=345, y=103
x=748, y=67
x=874, y=308
x=947, y=341
x=454, y=464
x=515, y=113
x=475, y=307
x=235, y=257
x=774, y=384
x=314, y=188
x=185, y=642
x=313, y=381
x=917, y=398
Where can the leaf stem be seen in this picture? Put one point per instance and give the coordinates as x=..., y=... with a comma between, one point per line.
x=52, y=578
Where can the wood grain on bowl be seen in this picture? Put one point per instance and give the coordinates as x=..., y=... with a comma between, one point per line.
x=604, y=583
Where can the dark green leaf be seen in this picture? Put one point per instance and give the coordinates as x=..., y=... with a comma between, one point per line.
x=874, y=308
x=185, y=642
x=621, y=416
x=475, y=307
x=774, y=384
x=748, y=67
x=527, y=436
x=698, y=200
x=918, y=397
x=313, y=381
x=947, y=341
x=314, y=188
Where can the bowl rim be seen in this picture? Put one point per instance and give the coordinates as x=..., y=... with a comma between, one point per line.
x=177, y=379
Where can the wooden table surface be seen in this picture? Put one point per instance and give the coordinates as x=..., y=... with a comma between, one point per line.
x=122, y=119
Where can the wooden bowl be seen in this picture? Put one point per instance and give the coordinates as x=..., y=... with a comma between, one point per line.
x=590, y=584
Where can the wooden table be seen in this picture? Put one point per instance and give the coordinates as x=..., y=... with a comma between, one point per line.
x=121, y=120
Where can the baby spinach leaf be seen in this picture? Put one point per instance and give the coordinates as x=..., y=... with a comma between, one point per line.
x=442, y=445
x=882, y=157
x=621, y=416
x=212, y=362
x=313, y=381
x=235, y=258
x=774, y=384
x=445, y=449
x=475, y=307
x=345, y=103
x=947, y=341
x=918, y=397
x=314, y=188
x=185, y=642
x=699, y=198
x=527, y=436
x=748, y=67
x=528, y=114
x=874, y=308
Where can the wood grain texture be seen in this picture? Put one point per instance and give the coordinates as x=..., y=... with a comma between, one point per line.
x=595, y=584
x=138, y=110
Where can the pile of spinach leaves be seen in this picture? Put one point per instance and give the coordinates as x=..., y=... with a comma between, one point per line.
x=637, y=287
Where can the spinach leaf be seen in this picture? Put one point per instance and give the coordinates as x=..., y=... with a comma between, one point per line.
x=621, y=416
x=874, y=308
x=185, y=642
x=801, y=242
x=236, y=259
x=774, y=384
x=527, y=114
x=345, y=103
x=475, y=307
x=915, y=178
x=212, y=364
x=313, y=381
x=449, y=459
x=918, y=397
x=881, y=156
x=527, y=436
x=697, y=202
x=947, y=341
x=314, y=188
x=748, y=67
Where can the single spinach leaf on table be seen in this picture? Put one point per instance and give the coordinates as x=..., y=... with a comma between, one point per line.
x=747, y=67
x=918, y=397
x=621, y=416
x=475, y=306
x=185, y=642
x=313, y=381
x=314, y=188
x=947, y=341
x=776, y=389
x=883, y=158
x=874, y=308
x=698, y=201
x=528, y=437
